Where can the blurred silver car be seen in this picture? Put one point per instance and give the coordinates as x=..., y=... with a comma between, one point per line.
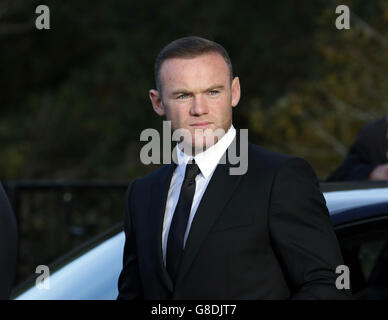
x=359, y=216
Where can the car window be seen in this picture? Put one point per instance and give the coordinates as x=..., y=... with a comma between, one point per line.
x=364, y=248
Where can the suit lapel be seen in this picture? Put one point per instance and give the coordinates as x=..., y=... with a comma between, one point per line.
x=158, y=204
x=215, y=198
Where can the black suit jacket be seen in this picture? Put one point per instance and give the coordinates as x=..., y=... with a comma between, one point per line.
x=368, y=151
x=262, y=235
x=8, y=246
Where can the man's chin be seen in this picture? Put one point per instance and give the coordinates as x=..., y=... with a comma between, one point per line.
x=196, y=141
x=193, y=149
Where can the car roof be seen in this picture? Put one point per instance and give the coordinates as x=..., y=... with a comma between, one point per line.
x=338, y=201
x=88, y=276
x=352, y=205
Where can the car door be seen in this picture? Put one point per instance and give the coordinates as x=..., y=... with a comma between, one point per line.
x=364, y=245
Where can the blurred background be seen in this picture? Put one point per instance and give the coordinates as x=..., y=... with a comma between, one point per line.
x=74, y=99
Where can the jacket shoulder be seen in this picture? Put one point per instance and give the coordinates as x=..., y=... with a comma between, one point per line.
x=266, y=158
x=373, y=129
x=144, y=183
x=269, y=161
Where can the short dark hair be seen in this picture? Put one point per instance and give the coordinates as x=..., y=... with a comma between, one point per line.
x=189, y=47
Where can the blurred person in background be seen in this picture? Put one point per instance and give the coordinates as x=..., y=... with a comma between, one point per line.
x=368, y=156
x=8, y=245
x=368, y=160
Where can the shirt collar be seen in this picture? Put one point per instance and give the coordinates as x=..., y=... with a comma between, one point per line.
x=207, y=161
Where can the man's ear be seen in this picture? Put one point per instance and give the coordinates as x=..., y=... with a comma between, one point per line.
x=236, y=91
x=157, y=103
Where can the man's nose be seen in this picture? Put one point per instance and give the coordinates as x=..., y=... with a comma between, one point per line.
x=199, y=106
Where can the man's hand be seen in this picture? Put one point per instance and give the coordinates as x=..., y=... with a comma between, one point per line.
x=379, y=173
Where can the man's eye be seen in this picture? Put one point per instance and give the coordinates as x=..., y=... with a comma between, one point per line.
x=213, y=92
x=183, y=96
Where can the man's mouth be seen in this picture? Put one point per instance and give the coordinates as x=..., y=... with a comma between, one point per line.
x=201, y=125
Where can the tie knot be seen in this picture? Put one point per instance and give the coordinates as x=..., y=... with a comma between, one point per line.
x=192, y=170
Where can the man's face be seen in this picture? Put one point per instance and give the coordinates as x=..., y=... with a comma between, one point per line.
x=197, y=94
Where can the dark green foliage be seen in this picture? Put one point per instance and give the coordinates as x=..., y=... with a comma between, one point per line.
x=74, y=99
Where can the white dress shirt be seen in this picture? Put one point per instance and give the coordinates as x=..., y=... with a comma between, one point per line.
x=207, y=162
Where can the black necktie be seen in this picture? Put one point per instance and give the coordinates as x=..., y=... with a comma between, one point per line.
x=179, y=220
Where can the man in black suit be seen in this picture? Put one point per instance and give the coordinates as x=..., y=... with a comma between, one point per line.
x=8, y=245
x=368, y=156
x=196, y=231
